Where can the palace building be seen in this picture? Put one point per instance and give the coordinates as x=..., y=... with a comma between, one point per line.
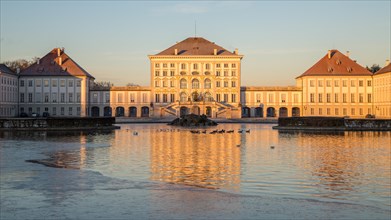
x=200, y=77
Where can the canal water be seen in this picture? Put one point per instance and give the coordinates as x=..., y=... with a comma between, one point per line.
x=158, y=171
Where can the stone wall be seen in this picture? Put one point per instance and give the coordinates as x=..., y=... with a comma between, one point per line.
x=319, y=123
x=56, y=123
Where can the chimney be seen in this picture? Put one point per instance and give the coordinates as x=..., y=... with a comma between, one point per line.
x=38, y=60
x=17, y=70
x=60, y=61
x=348, y=53
x=387, y=63
x=176, y=51
x=329, y=54
x=58, y=52
x=214, y=51
x=236, y=51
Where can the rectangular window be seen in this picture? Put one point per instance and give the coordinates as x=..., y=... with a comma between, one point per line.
x=120, y=98
x=361, y=98
x=30, y=97
x=352, y=98
x=62, y=83
x=328, y=83
x=78, y=111
x=217, y=83
x=172, y=84
x=172, y=97
x=38, y=110
x=21, y=97
x=30, y=83
x=195, y=66
x=233, y=73
x=233, y=65
x=344, y=98
x=164, y=73
x=218, y=65
x=312, y=97
x=218, y=97
x=312, y=111
x=320, y=97
x=95, y=97
x=78, y=97
x=369, y=83
x=46, y=98
x=328, y=97
x=165, y=98
x=369, y=98
x=361, y=83
x=22, y=83
x=353, y=83
x=361, y=111
x=164, y=65
x=233, y=97
x=336, y=83
x=225, y=65
x=336, y=96
x=107, y=97
x=70, y=97
x=271, y=98
x=156, y=83
x=353, y=111
x=345, y=112
x=156, y=65
x=225, y=98
x=218, y=73
x=62, y=98
x=54, y=97
x=70, y=83
x=157, y=97
x=207, y=66
x=312, y=83
x=62, y=110
x=336, y=111
x=183, y=66
x=283, y=97
x=164, y=83
x=172, y=65
x=328, y=112
x=78, y=83
x=132, y=97
x=37, y=83
x=258, y=97
x=225, y=83
x=46, y=83
x=172, y=73
x=54, y=83
x=320, y=111
x=157, y=73
x=225, y=73
x=38, y=97
x=320, y=83
x=344, y=83
x=70, y=111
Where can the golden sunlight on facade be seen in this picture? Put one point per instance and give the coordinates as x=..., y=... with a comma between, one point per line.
x=200, y=77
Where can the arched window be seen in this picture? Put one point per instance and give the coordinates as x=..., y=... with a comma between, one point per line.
x=207, y=84
x=208, y=97
x=183, y=97
x=183, y=84
x=195, y=84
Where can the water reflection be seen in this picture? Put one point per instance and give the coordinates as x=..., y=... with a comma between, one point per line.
x=203, y=160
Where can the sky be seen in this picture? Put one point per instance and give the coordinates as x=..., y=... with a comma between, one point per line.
x=279, y=39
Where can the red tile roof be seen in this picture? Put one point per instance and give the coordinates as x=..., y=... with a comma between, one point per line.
x=196, y=46
x=5, y=69
x=49, y=65
x=385, y=69
x=337, y=65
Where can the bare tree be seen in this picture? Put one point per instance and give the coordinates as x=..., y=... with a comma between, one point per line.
x=374, y=68
x=20, y=63
x=132, y=84
x=102, y=85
